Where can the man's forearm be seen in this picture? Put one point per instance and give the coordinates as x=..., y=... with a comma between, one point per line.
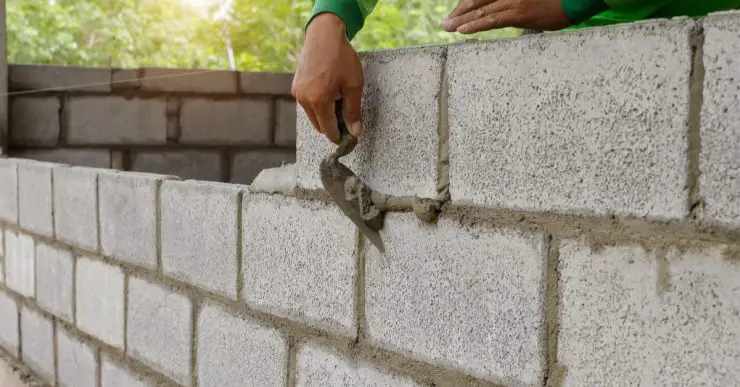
x=352, y=12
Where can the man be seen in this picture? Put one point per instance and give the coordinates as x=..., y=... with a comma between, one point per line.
x=329, y=68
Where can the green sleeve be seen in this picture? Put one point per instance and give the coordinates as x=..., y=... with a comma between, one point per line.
x=580, y=10
x=352, y=12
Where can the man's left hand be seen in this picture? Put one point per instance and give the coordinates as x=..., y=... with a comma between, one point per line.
x=471, y=16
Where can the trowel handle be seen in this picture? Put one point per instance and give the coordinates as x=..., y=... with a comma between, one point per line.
x=340, y=118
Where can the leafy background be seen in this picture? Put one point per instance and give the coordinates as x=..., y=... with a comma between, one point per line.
x=264, y=35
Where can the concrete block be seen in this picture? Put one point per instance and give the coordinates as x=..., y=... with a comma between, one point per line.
x=159, y=329
x=20, y=263
x=122, y=79
x=719, y=165
x=199, y=234
x=54, y=275
x=229, y=122
x=35, y=200
x=285, y=122
x=245, y=166
x=318, y=366
x=37, y=338
x=233, y=351
x=34, y=121
x=188, y=164
x=76, y=361
x=675, y=313
x=296, y=269
x=275, y=180
x=399, y=151
x=194, y=81
x=93, y=158
x=115, y=375
x=265, y=83
x=128, y=216
x=9, y=332
x=2, y=255
x=37, y=77
x=115, y=120
x=9, y=191
x=99, y=300
x=549, y=130
x=76, y=206
x=481, y=312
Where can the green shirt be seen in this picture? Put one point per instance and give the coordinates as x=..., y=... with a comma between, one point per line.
x=581, y=13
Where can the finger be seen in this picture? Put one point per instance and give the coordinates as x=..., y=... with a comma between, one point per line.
x=326, y=116
x=503, y=19
x=353, y=109
x=465, y=6
x=309, y=113
x=451, y=25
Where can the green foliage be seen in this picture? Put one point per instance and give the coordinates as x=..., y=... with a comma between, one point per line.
x=264, y=35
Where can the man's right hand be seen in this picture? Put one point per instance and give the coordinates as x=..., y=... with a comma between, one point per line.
x=329, y=69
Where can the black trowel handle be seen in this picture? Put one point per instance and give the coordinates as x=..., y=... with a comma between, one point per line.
x=340, y=118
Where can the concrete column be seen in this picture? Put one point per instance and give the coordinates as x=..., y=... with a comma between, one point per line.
x=3, y=83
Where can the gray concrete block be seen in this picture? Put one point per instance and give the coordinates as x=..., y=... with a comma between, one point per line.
x=719, y=165
x=187, y=164
x=285, y=122
x=34, y=121
x=37, y=77
x=550, y=131
x=115, y=375
x=159, y=329
x=99, y=300
x=76, y=361
x=37, y=339
x=320, y=366
x=199, y=234
x=122, y=79
x=20, y=263
x=661, y=318
x=54, y=278
x=35, y=200
x=295, y=269
x=398, y=153
x=93, y=158
x=245, y=166
x=265, y=83
x=228, y=122
x=9, y=191
x=275, y=180
x=481, y=312
x=2, y=255
x=9, y=332
x=76, y=206
x=234, y=351
x=115, y=120
x=194, y=81
x=128, y=216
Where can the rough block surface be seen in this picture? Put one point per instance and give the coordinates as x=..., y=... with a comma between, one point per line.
x=76, y=206
x=116, y=120
x=99, y=301
x=196, y=81
x=159, y=328
x=474, y=302
x=54, y=276
x=233, y=351
x=188, y=164
x=35, y=202
x=76, y=361
x=245, y=166
x=128, y=216
x=265, y=83
x=398, y=153
x=9, y=332
x=548, y=130
x=9, y=191
x=318, y=366
x=114, y=375
x=34, y=121
x=36, y=77
x=676, y=313
x=294, y=269
x=93, y=158
x=719, y=165
x=243, y=121
x=37, y=339
x=285, y=122
x=20, y=263
x=199, y=234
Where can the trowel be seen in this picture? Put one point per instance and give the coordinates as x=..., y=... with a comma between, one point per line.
x=348, y=191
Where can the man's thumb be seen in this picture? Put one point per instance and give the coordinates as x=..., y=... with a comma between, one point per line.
x=353, y=111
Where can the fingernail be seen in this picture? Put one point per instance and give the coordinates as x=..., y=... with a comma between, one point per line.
x=356, y=129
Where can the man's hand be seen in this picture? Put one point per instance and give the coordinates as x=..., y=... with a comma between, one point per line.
x=471, y=16
x=329, y=69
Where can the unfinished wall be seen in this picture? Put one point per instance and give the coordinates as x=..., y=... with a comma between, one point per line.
x=206, y=125
x=589, y=234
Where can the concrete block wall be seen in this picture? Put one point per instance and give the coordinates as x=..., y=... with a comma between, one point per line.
x=586, y=234
x=207, y=125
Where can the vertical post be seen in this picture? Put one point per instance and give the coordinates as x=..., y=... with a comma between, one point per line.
x=3, y=83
